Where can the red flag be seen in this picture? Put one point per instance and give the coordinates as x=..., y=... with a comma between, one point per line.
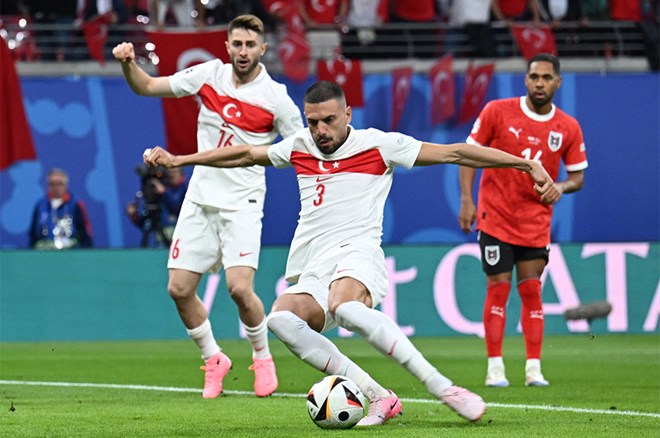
x=295, y=56
x=533, y=40
x=96, y=35
x=178, y=51
x=401, y=82
x=477, y=81
x=346, y=73
x=15, y=136
x=443, y=93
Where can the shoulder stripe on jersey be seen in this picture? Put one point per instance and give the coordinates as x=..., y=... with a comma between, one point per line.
x=369, y=162
x=248, y=117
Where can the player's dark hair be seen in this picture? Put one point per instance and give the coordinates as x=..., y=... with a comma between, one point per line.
x=552, y=59
x=247, y=22
x=322, y=91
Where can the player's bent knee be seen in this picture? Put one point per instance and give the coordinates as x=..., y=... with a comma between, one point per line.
x=284, y=324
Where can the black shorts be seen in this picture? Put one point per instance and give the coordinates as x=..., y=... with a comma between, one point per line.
x=498, y=257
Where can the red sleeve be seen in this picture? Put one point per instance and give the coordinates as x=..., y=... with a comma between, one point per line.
x=484, y=126
x=575, y=157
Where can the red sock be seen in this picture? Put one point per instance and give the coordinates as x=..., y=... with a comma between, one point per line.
x=531, y=317
x=497, y=295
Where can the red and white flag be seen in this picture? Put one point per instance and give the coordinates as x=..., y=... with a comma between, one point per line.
x=95, y=31
x=178, y=51
x=15, y=135
x=477, y=81
x=347, y=74
x=533, y=40
x=295, y=56
x=401, y=83
x=443, y=92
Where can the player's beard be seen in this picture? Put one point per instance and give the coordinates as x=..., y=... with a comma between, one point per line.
x=540, y=101
x=331, y=145
x=242, y=72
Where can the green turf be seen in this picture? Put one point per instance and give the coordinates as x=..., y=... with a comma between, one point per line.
x=609, y=385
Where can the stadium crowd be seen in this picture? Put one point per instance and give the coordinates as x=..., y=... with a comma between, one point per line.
x=46, y=30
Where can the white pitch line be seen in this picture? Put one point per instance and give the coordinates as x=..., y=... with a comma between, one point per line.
x=281, y=394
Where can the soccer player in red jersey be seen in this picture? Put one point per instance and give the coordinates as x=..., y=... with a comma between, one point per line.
x=513, y=222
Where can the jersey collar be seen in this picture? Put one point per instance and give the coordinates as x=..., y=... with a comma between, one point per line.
x=534, y=116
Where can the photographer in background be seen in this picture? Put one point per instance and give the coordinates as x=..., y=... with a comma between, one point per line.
x=59, y=220
x=156, y=206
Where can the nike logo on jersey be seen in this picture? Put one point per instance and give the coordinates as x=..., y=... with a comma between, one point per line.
x=320, y=180
x=343, y=270
x=514, y=131
x=243, y=254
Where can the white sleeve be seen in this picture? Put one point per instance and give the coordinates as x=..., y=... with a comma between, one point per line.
x=398, y=149
x=288, y=120
x=188, y=82
x=280, y=153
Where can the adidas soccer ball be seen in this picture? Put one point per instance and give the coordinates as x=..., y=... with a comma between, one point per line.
x=335, y=402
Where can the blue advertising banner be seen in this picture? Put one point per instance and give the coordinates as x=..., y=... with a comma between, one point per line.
x=96, y=129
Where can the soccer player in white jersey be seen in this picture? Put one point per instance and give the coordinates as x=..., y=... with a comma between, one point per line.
x=220, y=220
x=336, y=263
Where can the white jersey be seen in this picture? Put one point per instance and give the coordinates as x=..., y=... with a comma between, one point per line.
x=254, y=113
x=342, y=195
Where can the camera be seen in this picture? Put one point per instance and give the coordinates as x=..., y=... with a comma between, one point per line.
x=151, y=201
x=147, y=176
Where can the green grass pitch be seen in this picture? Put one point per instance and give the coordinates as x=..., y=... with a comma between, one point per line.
x=601, y=386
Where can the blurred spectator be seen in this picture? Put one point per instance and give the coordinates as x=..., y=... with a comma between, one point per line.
x=421, y=41
x=59, y=220
x=473, y=19
x=359, y=34
x=184, y=12
x=223, y=11
x=56, y=41
x=327, y=12
x=595, y=10
x=509, y=11
x=556, y=11
x=626, y=10
x=156, y=206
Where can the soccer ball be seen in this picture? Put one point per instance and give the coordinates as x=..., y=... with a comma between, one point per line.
x=335, y=402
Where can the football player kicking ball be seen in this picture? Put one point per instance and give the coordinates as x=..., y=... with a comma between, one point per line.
x=220, y=220
x=513, y=221
x=336, y=263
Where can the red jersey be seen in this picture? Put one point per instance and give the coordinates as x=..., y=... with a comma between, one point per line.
x=508, y=207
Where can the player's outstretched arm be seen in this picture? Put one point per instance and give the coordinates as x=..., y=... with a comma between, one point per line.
x=140, y=82
x=234, y=156
x=481, y=157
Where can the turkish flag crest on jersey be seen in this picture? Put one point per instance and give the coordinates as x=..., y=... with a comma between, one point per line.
x=178, y=51
x=347, y=74
x=532, y=40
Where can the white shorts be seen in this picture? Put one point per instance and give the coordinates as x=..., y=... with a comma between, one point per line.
x=363, y=263
x=206, y=238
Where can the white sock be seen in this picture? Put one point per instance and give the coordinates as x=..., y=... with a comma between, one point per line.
x=533, y=363
x=258, y=337
x=384, y=335
x=203, y=337
x=495, y=362
x=319, y=352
